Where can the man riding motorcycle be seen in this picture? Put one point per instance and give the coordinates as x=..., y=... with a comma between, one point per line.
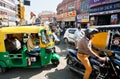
x=85, y=50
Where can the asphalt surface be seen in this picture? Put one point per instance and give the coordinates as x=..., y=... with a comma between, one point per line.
x=47, y=72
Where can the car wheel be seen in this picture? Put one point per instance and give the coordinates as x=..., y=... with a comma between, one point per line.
x=66, y=40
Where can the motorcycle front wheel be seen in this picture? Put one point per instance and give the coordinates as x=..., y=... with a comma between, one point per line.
x=70, y=61
x=55, y=62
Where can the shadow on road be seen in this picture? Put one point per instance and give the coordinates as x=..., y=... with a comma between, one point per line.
x=24, y=73
x=62, y=48
x=62, y=74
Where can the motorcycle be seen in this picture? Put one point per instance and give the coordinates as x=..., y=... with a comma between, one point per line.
x=106, y=70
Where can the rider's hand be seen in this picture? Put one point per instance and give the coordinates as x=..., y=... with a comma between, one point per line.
x=102, y=59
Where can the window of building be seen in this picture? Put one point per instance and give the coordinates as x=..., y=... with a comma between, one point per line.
x=12, y=1
x=1, y=12
x=71, y=7
x=7, y=6
x=84, y=5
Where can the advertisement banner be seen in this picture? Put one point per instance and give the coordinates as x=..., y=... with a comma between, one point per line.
x=114, y=19
x=67, y=15
x=83, y=17
x=109, y=7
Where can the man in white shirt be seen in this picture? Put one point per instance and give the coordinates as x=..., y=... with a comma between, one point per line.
x=18, y=44
x=78, y=35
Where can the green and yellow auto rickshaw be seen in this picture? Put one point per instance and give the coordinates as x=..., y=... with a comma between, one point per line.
x=22, y=57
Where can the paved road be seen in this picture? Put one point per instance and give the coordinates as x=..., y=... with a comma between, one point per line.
x=48, y=72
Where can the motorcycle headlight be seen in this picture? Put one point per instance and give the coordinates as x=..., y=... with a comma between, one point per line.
x=116, y=42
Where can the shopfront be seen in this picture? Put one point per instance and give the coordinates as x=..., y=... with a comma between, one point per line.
x=69, y=22
x=67, y=18
x=106, y=14
x=83, y=20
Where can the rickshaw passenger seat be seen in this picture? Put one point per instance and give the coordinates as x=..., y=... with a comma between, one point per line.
x=12, y=47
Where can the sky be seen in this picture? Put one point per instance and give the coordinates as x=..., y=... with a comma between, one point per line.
x=38, y=6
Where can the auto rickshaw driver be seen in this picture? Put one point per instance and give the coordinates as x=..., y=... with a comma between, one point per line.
x=31, y=45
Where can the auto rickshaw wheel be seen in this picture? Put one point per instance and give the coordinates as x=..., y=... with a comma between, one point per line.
x=2, y=69
x=55, y=62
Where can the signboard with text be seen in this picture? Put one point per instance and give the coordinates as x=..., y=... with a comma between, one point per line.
x=67, y=15
x=83, y=17
x=93, y=3
x=108, y=7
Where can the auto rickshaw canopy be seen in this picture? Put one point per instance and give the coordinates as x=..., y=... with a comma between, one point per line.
x=15, y=30
x=21, y=29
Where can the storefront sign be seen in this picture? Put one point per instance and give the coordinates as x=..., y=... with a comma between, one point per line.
x=93, y=3
x=67, y=15
x=107, y=7
x=83, y=17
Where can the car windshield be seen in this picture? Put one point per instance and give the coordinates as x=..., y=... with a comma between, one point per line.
x=72, y=31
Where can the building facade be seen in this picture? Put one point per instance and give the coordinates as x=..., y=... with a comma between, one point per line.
x=67, y=11
x=7, y=12
x=47, y=16
x=104, y=12
x=83, y=15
